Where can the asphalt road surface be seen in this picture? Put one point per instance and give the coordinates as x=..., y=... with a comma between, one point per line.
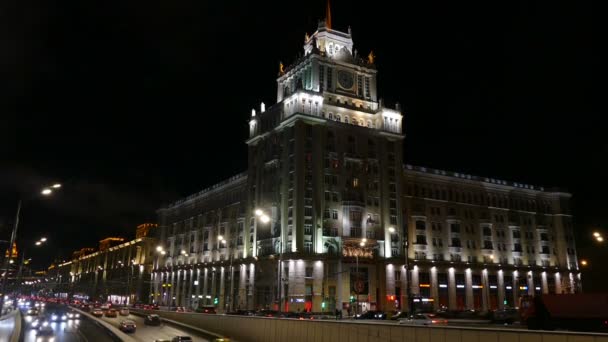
x=80, y=330
x=150, y=333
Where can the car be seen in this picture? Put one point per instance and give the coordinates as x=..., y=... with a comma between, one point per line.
x=152, y=320
x=208, y=309
x=400, y=315
x=505, y=316
x=124, y=312
x=45, y=329
x=423, y=319
x=240, y=312
x=267, y=313
x=37, y=323
x=97, y=313
x=371, y=314
x=105, y=306
x=32, y=312
x=181, y=339
x=127, y=326
x=73, y=315
x=59, y=317
x=111, y=313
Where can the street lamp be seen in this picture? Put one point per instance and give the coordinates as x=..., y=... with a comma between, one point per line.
x=46, y=192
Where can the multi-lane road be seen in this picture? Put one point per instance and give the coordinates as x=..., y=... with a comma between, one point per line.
x=86, y=329
x=150, y=333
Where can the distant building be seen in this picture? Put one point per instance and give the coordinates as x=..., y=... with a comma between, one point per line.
x=327, y=193
x=144, y=230
x=118, y=272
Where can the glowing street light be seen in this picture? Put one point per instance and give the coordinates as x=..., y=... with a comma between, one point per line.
x=599, y=239
x=46, y=191
x=362, y=244
x=264, y=218
x=584, y=262
x=391, y=230
x=163, y=252
x=43, y=239
x=259, y=212
x=56, y=186
x=38, y=243
x=159, y=248
x=596, y=234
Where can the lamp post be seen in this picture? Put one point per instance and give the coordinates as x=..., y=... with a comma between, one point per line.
x=39, y=242
x=45, y=192
x=264, y=218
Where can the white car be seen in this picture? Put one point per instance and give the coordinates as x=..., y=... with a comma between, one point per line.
x=423, y=319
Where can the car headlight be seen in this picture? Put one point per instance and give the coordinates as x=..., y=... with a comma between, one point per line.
x=35, y=323
x=63, y=318
x=45, y=324
x=54, y=317
x=77, y=315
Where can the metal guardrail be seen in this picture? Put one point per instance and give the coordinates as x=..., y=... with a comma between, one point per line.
x=113, y=332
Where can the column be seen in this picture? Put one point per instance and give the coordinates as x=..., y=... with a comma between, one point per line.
x=468, y=281
x=544, y=286
x=231, y=294
x=242, y=286
x=530, y=282
x=485, y=291
x=213, y=285
x=251, y=285
x=451, y=289
x=501, y=290
x=190, y=284
x=434, y=288
x=318, y=286
x=198, y=287
x=178, y=290
x=339, y=292
x=172, y=289
x=222, y=302
x=206, y=286
x=558, y=283
x=415, y=285
x=515, y=287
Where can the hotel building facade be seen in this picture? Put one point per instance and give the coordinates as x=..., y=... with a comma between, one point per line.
x=327, y=216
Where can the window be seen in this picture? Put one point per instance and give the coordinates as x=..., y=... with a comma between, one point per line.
x=487, y=231
x=329, y=78
x=516, y=234
x=455, y=228
x=516, y=247
x=456, y=242
x=421, y=239
x=334, y=214
x=309, y=271
x=544, y=250
x=326, y=213
x=420, y=225
x=487, y=245
x=308, y=246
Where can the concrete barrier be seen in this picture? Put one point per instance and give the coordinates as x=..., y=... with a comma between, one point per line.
x=12, y=322
x=254, y=329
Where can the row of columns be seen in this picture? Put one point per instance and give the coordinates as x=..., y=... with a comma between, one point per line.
x=198, y=286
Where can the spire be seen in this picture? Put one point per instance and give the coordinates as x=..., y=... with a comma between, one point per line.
x=328, y=16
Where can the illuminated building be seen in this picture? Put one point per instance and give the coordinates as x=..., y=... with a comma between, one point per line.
x=326, y=191
x=118, y=271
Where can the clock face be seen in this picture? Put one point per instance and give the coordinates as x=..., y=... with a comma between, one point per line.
x=345, y=79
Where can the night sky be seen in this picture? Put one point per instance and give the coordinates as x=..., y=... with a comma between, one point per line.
x=135, y=104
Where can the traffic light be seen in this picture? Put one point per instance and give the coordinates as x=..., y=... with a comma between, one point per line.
x=323, y=305
x=216, y=301
x=352, y=299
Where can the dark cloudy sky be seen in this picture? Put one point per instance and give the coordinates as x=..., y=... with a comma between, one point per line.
x=133, y=104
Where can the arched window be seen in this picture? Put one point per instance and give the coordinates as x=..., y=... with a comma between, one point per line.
x=346, y=119
x=331, y=116
x=338, y=118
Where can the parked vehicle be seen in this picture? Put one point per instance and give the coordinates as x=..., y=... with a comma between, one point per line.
x=124, y=312
x=506, y=316
x=208, y=309
x=97, y=313
x=127, y=326
x=152, y=320
x=580, y=311
x=267, y=313
x=182, y=339
x=400, y=315
x=423, y=319
x=371, y=314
